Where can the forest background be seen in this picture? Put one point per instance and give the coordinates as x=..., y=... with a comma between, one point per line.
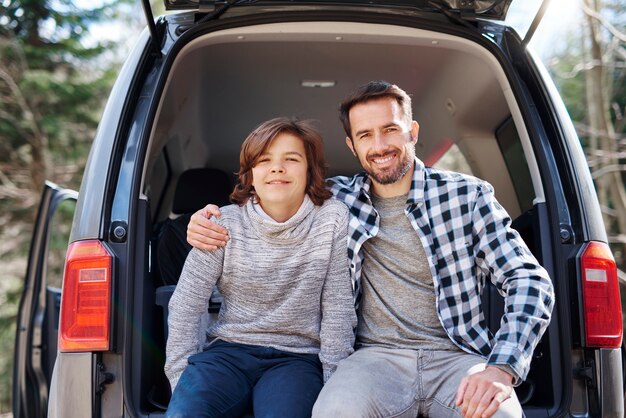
x=59, y=59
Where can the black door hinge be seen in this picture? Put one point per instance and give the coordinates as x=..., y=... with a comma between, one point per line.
x=585, y=370
x=102, y=378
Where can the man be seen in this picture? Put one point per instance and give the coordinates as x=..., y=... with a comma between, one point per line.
x=422, y=243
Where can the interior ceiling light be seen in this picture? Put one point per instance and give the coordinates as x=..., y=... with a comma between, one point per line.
x=317, y=83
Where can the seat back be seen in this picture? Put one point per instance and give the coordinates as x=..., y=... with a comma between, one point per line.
x=198, y=187
x=194, y=190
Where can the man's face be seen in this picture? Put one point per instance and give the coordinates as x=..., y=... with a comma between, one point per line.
x=382, y=139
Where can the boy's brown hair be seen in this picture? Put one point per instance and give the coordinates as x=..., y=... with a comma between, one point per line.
x=262, y=137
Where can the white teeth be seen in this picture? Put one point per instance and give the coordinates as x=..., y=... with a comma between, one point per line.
x=383, y=160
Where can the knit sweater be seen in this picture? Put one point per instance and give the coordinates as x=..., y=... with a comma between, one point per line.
x=285, y=285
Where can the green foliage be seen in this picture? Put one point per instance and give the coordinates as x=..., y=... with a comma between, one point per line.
x=569, y=77
x=568, y=66
x=57, y=93
x=54, y=79
x=9, y=299
x=571, y=85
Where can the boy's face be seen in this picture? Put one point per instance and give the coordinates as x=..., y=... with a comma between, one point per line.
x=279, y=175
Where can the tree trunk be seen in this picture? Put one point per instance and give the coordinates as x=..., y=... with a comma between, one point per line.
x=38, y=163
x=603, y=143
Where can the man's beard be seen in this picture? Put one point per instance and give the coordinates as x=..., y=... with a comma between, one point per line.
x=393, y=174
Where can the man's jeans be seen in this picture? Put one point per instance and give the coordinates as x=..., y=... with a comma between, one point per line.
x=383, y=382
x=228, y=380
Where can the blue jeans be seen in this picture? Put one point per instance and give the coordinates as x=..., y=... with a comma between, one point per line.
x=228, y=379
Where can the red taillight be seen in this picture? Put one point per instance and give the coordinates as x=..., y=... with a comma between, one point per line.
x=86, y=299
x=601, y=300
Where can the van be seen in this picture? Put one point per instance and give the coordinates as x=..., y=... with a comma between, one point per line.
x=168, y=143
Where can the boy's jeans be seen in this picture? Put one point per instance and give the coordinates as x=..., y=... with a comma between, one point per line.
x=228, y=380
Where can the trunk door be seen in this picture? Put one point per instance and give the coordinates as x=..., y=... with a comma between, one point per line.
x=457, y=11
x=472, y=9
x=38, y=314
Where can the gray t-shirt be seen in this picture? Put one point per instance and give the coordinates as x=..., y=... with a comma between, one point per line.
x=398, y=308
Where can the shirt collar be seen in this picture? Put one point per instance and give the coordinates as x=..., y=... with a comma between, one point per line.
x=418, y=183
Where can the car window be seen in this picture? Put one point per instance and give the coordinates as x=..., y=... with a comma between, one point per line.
x=511, y=148
x=59, y=228
x=453, y=160
x=497, y=158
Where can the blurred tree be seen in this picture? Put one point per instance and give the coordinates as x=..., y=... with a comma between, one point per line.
x=590, y=74
x=54, y=78
x=50, y=92
x=603, y=51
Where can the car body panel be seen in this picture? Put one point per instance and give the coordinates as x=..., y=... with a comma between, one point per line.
x=112, y=195
x=36, y=335
x=72, y=387
x=90, y=213
x=610, y=381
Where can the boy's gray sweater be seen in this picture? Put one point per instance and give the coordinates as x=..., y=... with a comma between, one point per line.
x=285, y=285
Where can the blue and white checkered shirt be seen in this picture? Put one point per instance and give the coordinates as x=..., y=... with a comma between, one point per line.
x=467, y=237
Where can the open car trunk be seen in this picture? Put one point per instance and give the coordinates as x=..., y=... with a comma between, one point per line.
x=223, y=83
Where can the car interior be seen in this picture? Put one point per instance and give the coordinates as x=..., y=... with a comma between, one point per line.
x=223, y=84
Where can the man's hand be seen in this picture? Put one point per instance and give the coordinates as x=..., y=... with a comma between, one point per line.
x=480, y=394
x=205, y=234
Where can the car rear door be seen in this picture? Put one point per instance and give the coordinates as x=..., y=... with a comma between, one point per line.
x=38, y=315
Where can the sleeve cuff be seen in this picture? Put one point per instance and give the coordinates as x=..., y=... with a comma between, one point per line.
x=174, y=381
x=328, y=372
x=507, y=368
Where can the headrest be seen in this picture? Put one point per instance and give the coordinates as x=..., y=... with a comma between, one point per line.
x=198, y=187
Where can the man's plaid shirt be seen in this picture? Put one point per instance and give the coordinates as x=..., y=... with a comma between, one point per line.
x=467, y=237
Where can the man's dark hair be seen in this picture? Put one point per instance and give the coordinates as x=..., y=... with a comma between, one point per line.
x=374, y=90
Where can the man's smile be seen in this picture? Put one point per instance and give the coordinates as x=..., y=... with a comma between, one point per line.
x=384, y=159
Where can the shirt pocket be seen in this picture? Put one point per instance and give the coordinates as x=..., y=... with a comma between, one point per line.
x=455, y=266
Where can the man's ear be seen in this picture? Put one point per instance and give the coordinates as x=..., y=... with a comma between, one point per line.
x=350, y=145
x=415, y=129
